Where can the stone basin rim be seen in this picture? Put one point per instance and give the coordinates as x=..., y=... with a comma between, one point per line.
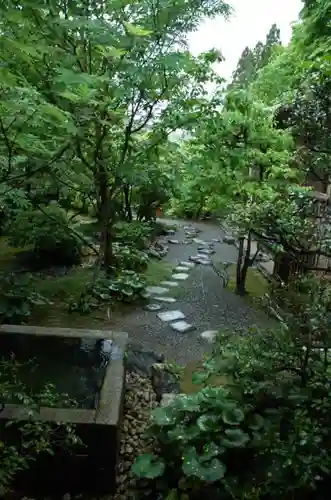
x=109, y=406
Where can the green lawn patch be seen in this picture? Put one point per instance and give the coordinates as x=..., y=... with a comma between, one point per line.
x=256, y=284
x=158, y=271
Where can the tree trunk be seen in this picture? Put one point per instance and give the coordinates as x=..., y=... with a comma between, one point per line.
x=127, y=201
x=105, y=218
x=243, y=264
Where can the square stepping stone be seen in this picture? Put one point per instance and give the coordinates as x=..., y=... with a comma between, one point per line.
x=206, y=251
x=168, y=300
x=200, y=242
x=156, y=290
x=181, y=269
x=153, y=307
x=187, y=264
x=180, y=276
x=171, y=315
x=209, y=336
x=172, y=284
x=182, y=326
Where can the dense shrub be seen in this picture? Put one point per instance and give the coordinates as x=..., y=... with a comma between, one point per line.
x=125, y=287
x=17, y=298
x=133, y=234
x=130, y=258
x=261, y=430
x=49, y=235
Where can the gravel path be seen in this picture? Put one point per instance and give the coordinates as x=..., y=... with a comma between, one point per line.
x=203, y=300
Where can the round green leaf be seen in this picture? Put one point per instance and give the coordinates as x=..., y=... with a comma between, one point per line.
x=163, y=416
x=148, y=466
x=235, y=438
x=233, y=416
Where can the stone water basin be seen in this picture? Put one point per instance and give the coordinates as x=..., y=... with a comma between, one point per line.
x=87, y=371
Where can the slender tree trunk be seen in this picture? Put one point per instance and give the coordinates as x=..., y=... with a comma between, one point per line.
x=105, y=218
x=127, y=201
x=243, y=264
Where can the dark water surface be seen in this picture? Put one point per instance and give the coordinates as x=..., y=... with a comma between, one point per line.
x=74, y=366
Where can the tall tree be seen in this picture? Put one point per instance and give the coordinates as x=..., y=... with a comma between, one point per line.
x=121, y=73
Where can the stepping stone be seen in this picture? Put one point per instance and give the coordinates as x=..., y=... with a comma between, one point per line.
x=209, y=336
x=180, y=276
x=171, y=315
x=168, y=300
x=181, y=269
x=200, y=242
x=153, y=307
x=207, y=251
x=172, y=284
x=187, y=264
x=182, y=326
x=173, y=242
x=156, y=290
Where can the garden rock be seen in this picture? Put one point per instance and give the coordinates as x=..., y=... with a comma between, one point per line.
x=182, y=327
x=173, y=242
x=163, y=381
x=209, y=336
x=156, y=290
x=172, y=284
x=230, y=240
x=140, y=361
x=187, y=264
x=152, y=252
x=168, y=300
x=153, y=307
x=180, y=276
x=171, y=315
x=206, y=251
x=181, y=269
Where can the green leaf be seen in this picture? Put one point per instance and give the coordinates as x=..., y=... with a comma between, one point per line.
x=135, y=30
x=164, y=416
x=233, y=416
x=208, y=422
x=208, y=471
x=235, y=438
x=148, y=466
x=200, y=377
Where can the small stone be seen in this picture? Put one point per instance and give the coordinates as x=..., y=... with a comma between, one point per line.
x=200, y=242
x=181, y=269
x=173, y=242
x=145, y=295
x=187, y=264
x=156, y=290
x=209, y=336
x=230, y=240
x=216, y=240
x=168, y=300
x=153, y=307
x=182, y=327
x=172, y=284
x=171, y=232
x=171, y=315
x=206, y=251
x=180, y=276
